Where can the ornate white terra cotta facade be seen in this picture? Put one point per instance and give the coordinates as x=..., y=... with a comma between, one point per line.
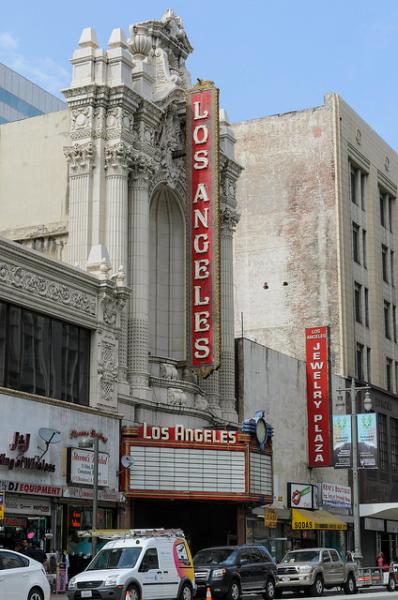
x=128, y=207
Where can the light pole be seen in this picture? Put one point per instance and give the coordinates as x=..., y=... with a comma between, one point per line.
x=93, y=443
x=367, y=404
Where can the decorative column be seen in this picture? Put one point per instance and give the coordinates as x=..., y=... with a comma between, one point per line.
x=211, y=386
x=80, y=158
x=138, y=277
x=228, y=220
x=117, y=158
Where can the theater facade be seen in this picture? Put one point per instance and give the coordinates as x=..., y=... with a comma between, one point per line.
x=135, y=184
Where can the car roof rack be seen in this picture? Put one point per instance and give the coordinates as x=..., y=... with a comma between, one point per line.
x=117, y=534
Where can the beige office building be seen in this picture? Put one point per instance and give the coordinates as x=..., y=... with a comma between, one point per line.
x=317, y=236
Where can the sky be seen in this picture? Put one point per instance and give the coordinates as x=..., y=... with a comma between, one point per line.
x=266, y=56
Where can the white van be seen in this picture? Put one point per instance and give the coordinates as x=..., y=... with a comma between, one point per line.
x=141, y=565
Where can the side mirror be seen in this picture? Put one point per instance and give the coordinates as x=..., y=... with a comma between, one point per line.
x=243, y=561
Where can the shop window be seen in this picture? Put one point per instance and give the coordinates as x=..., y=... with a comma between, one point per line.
x=43, y=356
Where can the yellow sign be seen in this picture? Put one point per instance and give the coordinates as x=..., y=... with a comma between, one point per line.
x=317, y=519
x=270, y=517
x=2, y=505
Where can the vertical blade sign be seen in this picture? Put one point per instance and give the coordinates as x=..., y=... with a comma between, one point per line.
x=317, y=341
x=202, y=162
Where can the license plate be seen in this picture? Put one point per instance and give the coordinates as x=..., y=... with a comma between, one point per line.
x=86, y=594
x=285, y=578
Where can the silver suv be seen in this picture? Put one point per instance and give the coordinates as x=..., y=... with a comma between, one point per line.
x=314, y=570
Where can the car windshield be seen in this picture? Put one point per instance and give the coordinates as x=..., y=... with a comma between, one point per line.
x=115, y=558
x=301, y=556
x=215, y=556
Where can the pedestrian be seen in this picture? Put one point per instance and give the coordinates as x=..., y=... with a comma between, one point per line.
x=349, y=557
x=380, y=560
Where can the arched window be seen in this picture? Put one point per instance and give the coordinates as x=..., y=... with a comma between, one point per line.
x=167, y=276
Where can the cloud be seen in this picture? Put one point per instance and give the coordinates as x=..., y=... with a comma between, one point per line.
x=43, y=71
x=8, y=41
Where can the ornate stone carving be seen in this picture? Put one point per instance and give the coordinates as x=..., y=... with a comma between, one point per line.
x=117, y=157
x=168, y=372
x=140, y=41
x=176, y=398
x=107, y=367
x=142, y=167
x=229, y=218
x=80, y=157
x=35, y=285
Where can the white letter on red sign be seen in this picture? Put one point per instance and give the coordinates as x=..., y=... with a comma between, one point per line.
x=205, y=134
x=202, y=348
x=205, y=245
x=201, y=160
x=201, y=193
x=197, y=114
x=197, y=299
x=201, y=321
x=201, y=268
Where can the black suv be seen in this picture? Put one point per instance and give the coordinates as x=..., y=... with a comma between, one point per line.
x=235, y=571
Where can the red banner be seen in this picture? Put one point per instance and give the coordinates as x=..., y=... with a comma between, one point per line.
x=317, y=356
x=202, y=151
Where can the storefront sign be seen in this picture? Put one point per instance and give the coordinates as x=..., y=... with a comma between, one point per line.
x=92, y=433
x=367, y=440
x=20, y=442
x=374, y=524
x=302, y=495
x=180, y=433
x=317, y=358
x=81, y=467
x=270, y=517
x=82, y=493
x=35, y=489
x=19, y=506
x=336, y=496
x=342, y=448
x=2, y=505
x=202, y=152
x=76, y=519
x=25, y=463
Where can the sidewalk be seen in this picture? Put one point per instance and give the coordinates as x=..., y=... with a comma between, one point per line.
x=59, y=597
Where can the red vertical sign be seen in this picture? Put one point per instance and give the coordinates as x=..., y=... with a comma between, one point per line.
x=202, y=151
x=317, y=357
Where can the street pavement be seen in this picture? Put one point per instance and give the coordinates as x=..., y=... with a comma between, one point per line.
x=378, y=593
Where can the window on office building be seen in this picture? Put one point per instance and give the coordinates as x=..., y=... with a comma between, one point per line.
x=383, y=208
x=359, y=362
x=356, y=252
x=394, y=323
x=394, y=444
x=366, y=302
x=364, y=250
x=383, y=446
x=44, y=356
x=368, y=364
x=384, y=262
x=390, y=212
x=389, y=374
x=387, y=319
x=358, y=302
x=392, y=276
x=358, y=186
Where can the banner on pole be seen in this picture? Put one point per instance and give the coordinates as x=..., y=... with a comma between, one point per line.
x=342, y=444
x=367, y=440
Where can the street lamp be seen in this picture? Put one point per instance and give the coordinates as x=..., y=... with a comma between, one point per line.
x=367, y=404
x=93, y=443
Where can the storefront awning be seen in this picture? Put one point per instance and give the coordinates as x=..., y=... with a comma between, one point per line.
x=382, y=510
x=316, y=519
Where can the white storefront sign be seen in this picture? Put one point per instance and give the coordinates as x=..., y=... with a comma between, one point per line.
x=336, y=496
x=20, y=506
x=374, y=524
x=82, y=467
x=392, y=526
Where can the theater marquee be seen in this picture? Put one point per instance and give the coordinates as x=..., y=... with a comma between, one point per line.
x=202, y=163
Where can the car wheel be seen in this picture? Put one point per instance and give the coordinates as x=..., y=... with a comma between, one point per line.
x=234, y=591
x=185, y=592
x=317, y=587
x=392, y=584
x=269, y=593
x=350, y=585
x=35, y=594
x=132, y=593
